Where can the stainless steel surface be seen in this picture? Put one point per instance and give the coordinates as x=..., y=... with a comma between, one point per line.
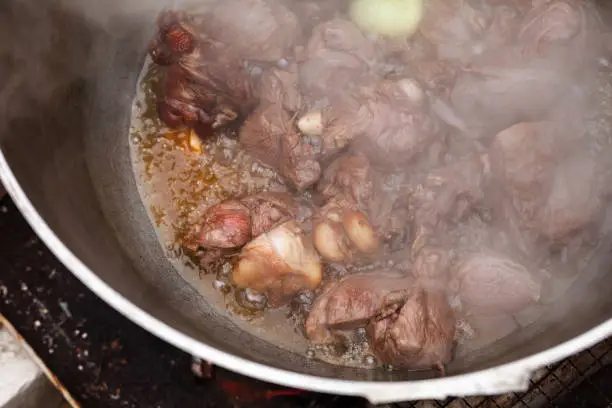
x=65, y=161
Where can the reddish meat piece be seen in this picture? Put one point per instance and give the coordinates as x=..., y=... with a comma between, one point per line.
x=419, y=335
x=352, y=302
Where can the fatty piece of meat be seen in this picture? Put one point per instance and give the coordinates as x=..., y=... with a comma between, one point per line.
x=351, y=302
x=419, y=335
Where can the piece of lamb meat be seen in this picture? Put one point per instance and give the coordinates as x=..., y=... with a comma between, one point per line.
x=575, y=201
x=349, y=176
x=336, y=57
x=232, y=223
x=279, y=263
x=395, y=125
x=281, y=86
x=455, y=27
x=351, y=302
x=206, y=82
x=418, y=335
x=268, y=135
x=494, y=283
x=267, y=32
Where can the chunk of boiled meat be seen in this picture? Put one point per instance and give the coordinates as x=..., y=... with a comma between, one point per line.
x=491, y=95
x=351, y=302
x=279, y=263
x=495, y=283
x=298, y=161
x=340, y=35
x=523, y=158
x=262, y=133
x=330, y=73
x=575, y=199
x=225, y=225
x=172, y=39
x=314, y=12
x=232, y=223
x=432, y=263
x=269, y=209
x=455, y=27
x=281, y=86
x=349, y=176
x=450, y=193
x=394, y=125
x=268, y=135
x=419, y=335
x=258, y=30
x=565, y=30
x=177, y=101
x=208, y=85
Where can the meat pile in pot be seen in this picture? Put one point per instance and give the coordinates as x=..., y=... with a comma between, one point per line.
x=388, y=149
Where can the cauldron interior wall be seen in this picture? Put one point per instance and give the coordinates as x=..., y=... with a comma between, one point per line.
x=69, y=152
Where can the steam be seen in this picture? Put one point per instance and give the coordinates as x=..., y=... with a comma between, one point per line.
x=38, y=60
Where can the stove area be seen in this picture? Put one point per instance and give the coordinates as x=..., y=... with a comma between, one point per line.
x=98, y=358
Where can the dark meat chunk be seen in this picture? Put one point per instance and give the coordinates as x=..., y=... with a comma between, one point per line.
x=205, y=84
x=566, y=30
x=267, y=32
x=263, y=132
x=432, y=263
x=493, y=97
x=340, y=35
x=279, y=263
x=314, y=12
x=298, y=162
x=336, y=57
x=177, y=102
x=419, y=335
x=269, y=210
x=455, y=27
x=172, y=40
x=449, y=193
x=392, y=125
x=575, y=199
x=232, y=223
x=494, y=283
x=268, y=135
x=349, y=176
x=523, y=158
x=351, y=302
x=535, y=76
x=225, y=225
x=281, y=86
x=329, y=74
